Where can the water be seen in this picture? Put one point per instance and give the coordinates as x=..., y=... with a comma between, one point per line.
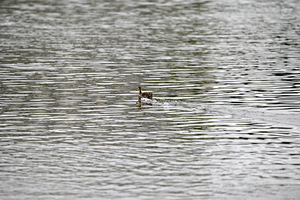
x=224, y=122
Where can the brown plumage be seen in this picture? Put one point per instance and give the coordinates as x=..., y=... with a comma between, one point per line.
x=147, y=95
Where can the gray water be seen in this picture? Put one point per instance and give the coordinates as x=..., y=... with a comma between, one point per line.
x=224, y=122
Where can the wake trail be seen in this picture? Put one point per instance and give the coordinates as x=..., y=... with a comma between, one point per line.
x=276, y=117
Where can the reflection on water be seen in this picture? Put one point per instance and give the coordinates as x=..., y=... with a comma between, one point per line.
x=224, y=121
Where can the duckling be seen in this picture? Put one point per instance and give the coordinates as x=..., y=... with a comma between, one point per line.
x=147, y=95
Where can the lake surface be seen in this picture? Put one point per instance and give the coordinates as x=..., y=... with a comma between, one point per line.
x=224, y=122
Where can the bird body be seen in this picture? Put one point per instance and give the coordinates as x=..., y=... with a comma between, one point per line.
x=147, y=95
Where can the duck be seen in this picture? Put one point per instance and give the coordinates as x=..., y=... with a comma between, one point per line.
x=147, y=95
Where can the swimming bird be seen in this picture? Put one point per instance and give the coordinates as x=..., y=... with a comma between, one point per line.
x=147, y=95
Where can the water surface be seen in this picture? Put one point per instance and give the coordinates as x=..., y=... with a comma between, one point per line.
x=224, y=122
